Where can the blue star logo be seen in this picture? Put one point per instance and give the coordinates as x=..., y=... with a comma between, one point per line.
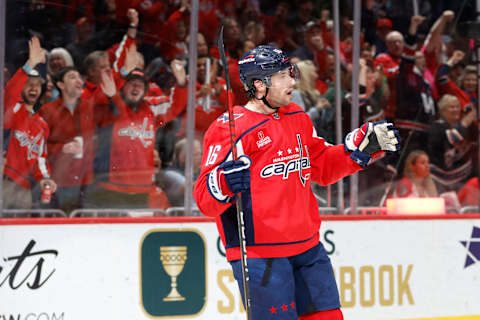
x=473, y=247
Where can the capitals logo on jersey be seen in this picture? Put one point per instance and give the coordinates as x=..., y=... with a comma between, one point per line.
x=142, y=134
x=295, y=161
x=32, y=146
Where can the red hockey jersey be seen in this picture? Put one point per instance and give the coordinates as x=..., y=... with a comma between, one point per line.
x=281, y=213
x=27, y=153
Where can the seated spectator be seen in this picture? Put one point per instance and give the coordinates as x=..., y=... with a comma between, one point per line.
x=26, y=156
x=157, y=197
x=172, y=178
x=468, y=194
x=305, y=94
x=416, y=181
x=450, y=142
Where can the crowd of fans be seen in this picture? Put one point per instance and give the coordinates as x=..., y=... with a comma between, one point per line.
x=96, y=94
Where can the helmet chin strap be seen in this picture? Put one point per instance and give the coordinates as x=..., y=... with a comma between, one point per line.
x=264, y=100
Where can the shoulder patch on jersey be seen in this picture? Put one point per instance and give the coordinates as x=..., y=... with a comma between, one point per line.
x=224, y=117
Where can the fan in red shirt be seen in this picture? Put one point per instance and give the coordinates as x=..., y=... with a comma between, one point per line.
x=124, y=163
x=211, y=99
x=26, y=158
x=70, y=119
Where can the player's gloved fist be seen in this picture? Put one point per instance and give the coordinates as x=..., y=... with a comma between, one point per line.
x=237, y=174
x=371, y=138
x=229, y=178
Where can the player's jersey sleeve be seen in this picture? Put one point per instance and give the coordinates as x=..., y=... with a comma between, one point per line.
x=168, y=108
x=329, y=162
x=208, y=194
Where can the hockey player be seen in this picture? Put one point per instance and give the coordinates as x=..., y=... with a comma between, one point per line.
x=290, y=275
x=27, y=153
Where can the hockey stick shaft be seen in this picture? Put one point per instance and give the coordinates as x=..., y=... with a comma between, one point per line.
x=240, y=215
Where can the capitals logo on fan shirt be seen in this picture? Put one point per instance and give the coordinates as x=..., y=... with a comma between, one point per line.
x=295, y=162
x=31, y=145
x=141, y=134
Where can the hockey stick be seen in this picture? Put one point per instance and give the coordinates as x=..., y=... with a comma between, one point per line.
x=240, y=222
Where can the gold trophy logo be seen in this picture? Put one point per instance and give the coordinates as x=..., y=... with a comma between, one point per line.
x=173, y=259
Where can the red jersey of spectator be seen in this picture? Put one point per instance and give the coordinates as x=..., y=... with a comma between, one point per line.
x=172, y=35
x=157, y=199
x=446, y=85
x=208, y=19
x=205, y=116
x=26, y=154
x=126, y=162
x=391, y=67
x=468, y=195
x=151, y=12
x=64, y=127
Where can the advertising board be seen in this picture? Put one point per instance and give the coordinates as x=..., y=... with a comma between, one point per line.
x=385, y=269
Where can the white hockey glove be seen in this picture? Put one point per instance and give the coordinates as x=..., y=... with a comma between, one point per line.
x=229, y=178
x=371, y=138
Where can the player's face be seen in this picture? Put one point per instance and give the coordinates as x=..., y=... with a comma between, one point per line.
x=421, y=166
x=32, y=90
x=280, y=91
x=134, y=90
x=72, y=84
